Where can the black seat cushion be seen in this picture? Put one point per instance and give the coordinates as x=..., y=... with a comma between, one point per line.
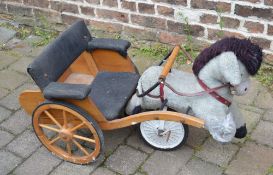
x=118, y=45
x=59, y=55
x=110, y=91
x=56, y=90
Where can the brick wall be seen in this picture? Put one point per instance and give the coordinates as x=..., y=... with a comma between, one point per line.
x=160, y=20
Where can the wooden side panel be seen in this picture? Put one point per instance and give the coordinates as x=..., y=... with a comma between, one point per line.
x=111, y=61
x=90, y=108
x=65, y=75
x=84, y=64
x=80, y=66
x=30, y=99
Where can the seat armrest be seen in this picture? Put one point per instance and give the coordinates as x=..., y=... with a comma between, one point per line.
x=55, y=90
x=118, y=45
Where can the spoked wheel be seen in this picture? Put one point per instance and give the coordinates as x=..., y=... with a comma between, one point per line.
x=164, y=135
x=68, y=132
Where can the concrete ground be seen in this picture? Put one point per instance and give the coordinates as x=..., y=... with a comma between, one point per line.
x=22, y=153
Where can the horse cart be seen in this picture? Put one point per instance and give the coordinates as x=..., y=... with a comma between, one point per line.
x=84, y=86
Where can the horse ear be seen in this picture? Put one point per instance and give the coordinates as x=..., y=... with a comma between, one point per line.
x=229, y=68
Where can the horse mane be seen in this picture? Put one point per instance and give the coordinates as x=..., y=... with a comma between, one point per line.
x=247, y=52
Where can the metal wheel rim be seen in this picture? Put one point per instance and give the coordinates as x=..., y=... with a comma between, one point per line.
x=91, y=156
x=149, y=131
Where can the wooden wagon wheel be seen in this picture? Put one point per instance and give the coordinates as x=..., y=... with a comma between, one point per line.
x=58, y=127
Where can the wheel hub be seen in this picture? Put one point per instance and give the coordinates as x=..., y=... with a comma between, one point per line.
x=160, y=132
x=66, y=135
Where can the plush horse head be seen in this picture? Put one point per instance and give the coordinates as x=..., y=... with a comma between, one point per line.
x=230, y=60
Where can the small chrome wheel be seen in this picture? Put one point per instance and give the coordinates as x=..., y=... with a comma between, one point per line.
x=68, y=132
x=164, y=135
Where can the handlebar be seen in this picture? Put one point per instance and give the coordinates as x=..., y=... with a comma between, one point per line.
x=169, y=63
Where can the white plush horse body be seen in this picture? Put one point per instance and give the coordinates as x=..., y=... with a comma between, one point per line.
x=220, y=119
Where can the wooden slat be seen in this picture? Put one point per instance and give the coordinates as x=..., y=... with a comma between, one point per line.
x=153, y=115
x=90, y=63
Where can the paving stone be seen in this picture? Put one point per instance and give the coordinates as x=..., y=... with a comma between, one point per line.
x=11, y=100
x=138, y=173
x=12, y=43
x=36, y=51
x=41, y=162
x=217, y=153
x=3, y=92
x=264, y=133
x=142, y=63
x=196, y=136
x=4, y=113
x=125, y=160
x=251, y=159
x=197, y=167
x=103, y=171
x=74, y=169
x=17, y=123
x=5, y=138
x=251, y=119
x=135, y=141
x=25, y=144
x=114, y=138
x=25, y=46
x=10, y=79
x=251, y=108
x=264, y=99
x=6, y=60
x=251, y=94
x=8, y=162
x=268, y=115
x=21, y=65
x=162, y=163
x=6, y=34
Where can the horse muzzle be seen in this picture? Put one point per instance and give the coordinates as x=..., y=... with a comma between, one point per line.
x=240, y=89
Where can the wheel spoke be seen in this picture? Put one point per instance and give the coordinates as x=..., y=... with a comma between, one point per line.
x=84, y=138
x=53, y=119
x=77, y=127
x=65, y=119
x=54, y=140
x=49, y=128
x=68, y=148
x=81, y=148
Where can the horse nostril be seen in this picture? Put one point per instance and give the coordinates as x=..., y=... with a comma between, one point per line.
x=245, y=89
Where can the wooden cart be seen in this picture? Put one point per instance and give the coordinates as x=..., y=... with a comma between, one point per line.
x=85, y=83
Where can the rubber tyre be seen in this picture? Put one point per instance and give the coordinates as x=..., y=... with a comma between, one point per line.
x=86, y=116
x=178, y=145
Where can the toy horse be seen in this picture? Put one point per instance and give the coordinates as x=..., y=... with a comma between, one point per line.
x=220, y=72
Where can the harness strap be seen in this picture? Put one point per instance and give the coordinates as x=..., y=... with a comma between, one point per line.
x=196, y=93
x=161, y=91
x=207, y=90
x=213, y=93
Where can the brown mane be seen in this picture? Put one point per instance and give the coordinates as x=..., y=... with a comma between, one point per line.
x=248, y=53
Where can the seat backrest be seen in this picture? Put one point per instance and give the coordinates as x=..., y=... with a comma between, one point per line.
x=59, y=55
